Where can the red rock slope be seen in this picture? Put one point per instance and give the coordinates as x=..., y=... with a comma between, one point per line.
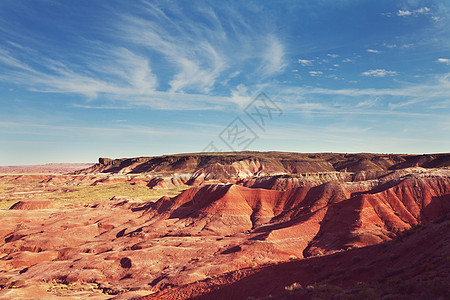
x=210, y=230
x=415, y=265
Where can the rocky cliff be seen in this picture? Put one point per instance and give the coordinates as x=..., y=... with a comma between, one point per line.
x=242, y=164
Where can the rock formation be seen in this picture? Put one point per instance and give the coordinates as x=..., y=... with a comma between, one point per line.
x=240, y=216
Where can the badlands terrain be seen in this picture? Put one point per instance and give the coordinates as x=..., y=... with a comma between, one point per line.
x=241, y=225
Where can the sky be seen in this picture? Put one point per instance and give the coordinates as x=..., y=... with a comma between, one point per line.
x=86, y=79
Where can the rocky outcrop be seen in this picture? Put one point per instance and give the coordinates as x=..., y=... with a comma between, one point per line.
x=105, y=161
x=245, y=164
x=251, y=168
x=32, y=204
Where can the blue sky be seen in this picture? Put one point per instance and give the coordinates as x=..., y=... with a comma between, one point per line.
x=84, y=79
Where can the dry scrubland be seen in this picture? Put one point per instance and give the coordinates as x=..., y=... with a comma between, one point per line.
x=68, y=194
x=230, y=225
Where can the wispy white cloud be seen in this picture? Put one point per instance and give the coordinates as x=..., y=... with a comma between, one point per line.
x=406, y=45
x=305, y=62
x=387, y=14
x=437, y=89
x=128, y=75
x=315, y=73
x=433, y=91
x=86, y=131
x=241, y=96
x=404, y=103
x=315, y=107
x=373, y=51
x=192, y=48
x=379, y=73
x=121, y=77
x=193, y=59
x=444, y=60
x=390, y=45
x=368, y=102
x=76, y=105
x=137, y=71
x=402, y=13
x=204, y=52
x=422, y=10
x=415, y=12
x=8, y=60
x=332, y=55
x=273, y=57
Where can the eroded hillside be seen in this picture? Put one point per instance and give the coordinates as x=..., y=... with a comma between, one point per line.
x=163, y=225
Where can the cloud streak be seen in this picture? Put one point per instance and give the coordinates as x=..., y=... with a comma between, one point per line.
x=195, y=59
x=273, y=57
x=315, y=73
x=415, y=12
x=444, y=60
x=305, y=62
x=57, y=130
x=204, y=52
x=379, y=73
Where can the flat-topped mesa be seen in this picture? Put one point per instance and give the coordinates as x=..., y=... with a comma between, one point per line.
x=245, y=164
x=105, y=161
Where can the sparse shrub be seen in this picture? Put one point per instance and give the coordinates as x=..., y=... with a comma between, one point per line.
x=56, y=287
x=291, y=289
x=326, y=291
